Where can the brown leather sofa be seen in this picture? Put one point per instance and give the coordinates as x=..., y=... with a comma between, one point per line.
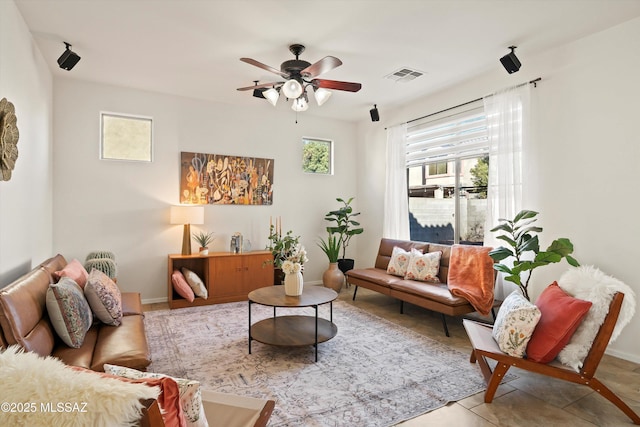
x=24, y=321
x=432, y=296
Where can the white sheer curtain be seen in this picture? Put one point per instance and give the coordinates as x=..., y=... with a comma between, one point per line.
x=396, y=203
x=508, y=117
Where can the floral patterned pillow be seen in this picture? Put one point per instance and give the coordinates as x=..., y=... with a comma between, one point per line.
x=68, y=311
x=190, y=394
x=400, y=261
x=514, y=325
x=104, y=298
x=424, y=267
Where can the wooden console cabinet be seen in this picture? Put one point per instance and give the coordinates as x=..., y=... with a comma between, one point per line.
x=228, y=277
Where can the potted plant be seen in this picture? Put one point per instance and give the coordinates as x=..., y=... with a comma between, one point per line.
x=333, y=277
x=345, y=227
x=522, y=238
x=204, y=239
x=282, y=248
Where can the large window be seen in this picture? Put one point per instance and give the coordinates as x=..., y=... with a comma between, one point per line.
x=447, y=171
x=124, y=137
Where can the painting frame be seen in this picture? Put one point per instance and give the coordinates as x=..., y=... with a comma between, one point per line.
x=223, y=179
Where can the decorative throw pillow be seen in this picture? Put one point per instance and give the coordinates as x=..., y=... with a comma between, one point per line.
x=195, y=283
x=74, y=270
x=561, y=316
x=181, y=286
x=104, y=298
x=590, y=284
x=424, y=267
x=400, y=261
x=190, y=394
x=514, y=325
x=69, y=311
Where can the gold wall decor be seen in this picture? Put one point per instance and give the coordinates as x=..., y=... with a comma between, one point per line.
x=220, y=179
x=8, y=139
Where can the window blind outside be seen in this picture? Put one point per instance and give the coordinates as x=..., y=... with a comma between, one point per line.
x=456, y=134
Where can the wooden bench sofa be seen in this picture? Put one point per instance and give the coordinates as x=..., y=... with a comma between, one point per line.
x=432, y=296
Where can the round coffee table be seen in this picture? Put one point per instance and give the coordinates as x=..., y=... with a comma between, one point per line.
x=292, y=330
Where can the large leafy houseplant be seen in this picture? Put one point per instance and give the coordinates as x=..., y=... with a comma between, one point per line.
x=345, y=226
x=524, y=248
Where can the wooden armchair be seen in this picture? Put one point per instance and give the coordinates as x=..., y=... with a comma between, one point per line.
x=485, y=347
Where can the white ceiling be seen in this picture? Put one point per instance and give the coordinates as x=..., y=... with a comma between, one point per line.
x=192, y=47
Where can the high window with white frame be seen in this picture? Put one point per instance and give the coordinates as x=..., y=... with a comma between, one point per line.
x=447, y=172
x=317, y=156
x=126, y=137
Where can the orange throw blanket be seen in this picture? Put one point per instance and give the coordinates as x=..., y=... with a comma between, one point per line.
x=471, y=276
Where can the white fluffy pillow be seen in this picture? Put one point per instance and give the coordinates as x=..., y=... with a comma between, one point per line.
x=590, y=284
x=28, y=379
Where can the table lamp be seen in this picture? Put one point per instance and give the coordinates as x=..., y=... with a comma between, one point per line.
x=187, y=215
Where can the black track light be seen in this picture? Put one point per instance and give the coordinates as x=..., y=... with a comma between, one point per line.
x=375, y=116
x=510, y=61
x=68, y=59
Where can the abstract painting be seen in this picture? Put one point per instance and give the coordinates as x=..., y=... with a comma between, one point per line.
x=220, y=179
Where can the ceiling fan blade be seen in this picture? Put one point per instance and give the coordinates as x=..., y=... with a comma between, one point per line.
x=327, y=63
x=337, y=85
x=264, y=67
x=260, y=86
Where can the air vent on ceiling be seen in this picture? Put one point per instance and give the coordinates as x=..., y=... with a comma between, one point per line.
x=404, y=74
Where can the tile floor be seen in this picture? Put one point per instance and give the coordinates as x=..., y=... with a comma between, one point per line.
x=530, y=400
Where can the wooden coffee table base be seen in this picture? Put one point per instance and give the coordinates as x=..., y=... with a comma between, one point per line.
x=291, y=330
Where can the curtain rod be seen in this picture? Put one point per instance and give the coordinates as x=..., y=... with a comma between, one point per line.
x=533, y=82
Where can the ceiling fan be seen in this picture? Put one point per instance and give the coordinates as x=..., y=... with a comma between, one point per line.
x=298, y=75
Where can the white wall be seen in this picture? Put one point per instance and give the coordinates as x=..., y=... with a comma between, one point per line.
x=124, y=206
x=25, y=200
x=583, y=164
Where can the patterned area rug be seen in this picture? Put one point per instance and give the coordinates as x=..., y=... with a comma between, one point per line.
x=373, y=373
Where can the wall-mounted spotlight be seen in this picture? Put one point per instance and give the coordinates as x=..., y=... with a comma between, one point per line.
x=68, y=59
x=510, y=61
x=258, y=92
x=375, y=116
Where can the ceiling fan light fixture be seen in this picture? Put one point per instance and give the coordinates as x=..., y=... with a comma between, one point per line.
x=321, y=95
x=300, y=104
x=292, y=89
x=272, y=96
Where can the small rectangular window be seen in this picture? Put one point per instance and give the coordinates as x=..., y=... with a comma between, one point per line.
x=317, y=156
x=124, y=137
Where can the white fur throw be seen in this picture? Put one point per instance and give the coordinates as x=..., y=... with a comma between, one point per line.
x=590, y=284
x=39, y=391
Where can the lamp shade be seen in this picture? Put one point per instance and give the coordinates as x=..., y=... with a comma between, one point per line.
x=272, y=96
x=321, y=95
x=187, y=215
x=292, y=89
x=300, y=104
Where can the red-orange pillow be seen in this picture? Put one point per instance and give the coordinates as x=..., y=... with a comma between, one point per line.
x=181, y=286
x=561, y=316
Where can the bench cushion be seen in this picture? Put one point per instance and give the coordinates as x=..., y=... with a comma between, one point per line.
x=438, y=292
x=124, y=345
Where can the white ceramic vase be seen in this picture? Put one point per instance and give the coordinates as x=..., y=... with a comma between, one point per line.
x=293, y=284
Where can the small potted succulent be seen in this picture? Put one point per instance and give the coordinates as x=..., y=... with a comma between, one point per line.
x=204, y=239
